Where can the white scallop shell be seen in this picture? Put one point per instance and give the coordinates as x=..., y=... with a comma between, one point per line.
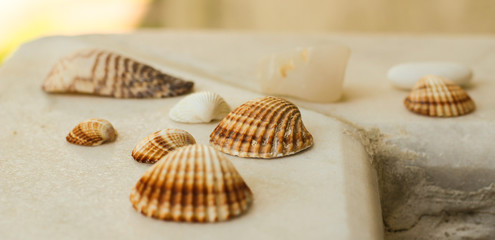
x=200, y=107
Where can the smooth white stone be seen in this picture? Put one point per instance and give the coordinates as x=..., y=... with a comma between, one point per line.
x=313, y=73
x=405, y=75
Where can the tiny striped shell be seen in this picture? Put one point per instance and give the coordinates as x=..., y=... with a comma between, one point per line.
x=160, y=143
x=194, y=183
x=92, y=132
x=200, y=107
x=266, y=127
x=104, y=73
x=435, y=96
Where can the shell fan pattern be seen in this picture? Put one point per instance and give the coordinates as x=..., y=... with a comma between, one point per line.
x=435, y=96
x=160, y=143
x=92, y=132
x=266, y=127
x=104, y=73
x=201, y=107
x=194, y=183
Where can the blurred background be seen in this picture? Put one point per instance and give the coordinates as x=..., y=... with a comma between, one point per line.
x=25, y=20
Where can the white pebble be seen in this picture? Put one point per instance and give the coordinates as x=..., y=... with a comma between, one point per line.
x=405, y=75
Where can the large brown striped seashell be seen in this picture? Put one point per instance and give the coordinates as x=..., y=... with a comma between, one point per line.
x=92, y=132
x=104, y=73
x=160, y=143
x=266, y=127
x=194, y=183
x=438, y=97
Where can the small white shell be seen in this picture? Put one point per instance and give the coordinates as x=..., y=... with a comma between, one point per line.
x=200, y=107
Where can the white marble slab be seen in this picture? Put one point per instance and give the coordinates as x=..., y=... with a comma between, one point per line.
x=51, y=189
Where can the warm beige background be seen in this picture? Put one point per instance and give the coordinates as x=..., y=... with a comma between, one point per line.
x=417, y=16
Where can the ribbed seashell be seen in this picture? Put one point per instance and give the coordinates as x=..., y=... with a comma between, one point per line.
x=266, y=127
x=160, y=143
x=92, y=132
x=438, y=97
x=194, y=183
x=200, y=107
x=104, y=73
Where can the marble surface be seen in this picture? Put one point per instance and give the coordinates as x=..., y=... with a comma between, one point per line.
x=435, y=176
x=51, y=189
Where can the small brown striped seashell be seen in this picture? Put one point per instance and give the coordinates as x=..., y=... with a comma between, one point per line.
x=194, y=183
x=104, y=73
x=92, y=132
x=266, y=127
x=435, y=96
x=160, y=143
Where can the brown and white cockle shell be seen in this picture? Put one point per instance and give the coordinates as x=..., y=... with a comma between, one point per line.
x=435, y=96
x=104, y=73
x=194, y=183
x=92, y=132
x=160, y=143
x=267, y=127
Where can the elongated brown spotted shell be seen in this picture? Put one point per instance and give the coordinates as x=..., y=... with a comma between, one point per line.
x=92, y=132
x=160, y=143
x=438, y=97
x=104, y=73
x=194, y=183
x=266, y=127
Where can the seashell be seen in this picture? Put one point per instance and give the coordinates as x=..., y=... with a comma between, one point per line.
x=160, y=143
x=194, y=183
x=438, y=97
x=266, y=127
x=104, y=73
x=200, y=107
x=92, y=132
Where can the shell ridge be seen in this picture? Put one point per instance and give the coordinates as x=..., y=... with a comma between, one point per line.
x=230, y=135
x=116, y=75
x=94, y=69
x=179, y=187
x=237, y=143
x=288, y=139
x=254, y=149
x=219, y=188
x=156, y=177
x=268, y=135
x=200, y=188
x=211, y=215
x=251, y=131
x=300, y=135
x=188, y=191
x=286, y=115
x=166, y=165
x=232, y=193
x=100, y=83
x=168, y=197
